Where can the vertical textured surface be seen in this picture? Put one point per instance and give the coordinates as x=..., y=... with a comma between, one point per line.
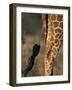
x=31, y=32
x=53, y=44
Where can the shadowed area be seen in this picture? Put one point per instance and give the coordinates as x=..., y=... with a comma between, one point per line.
x=35, y=52
x=32, y=64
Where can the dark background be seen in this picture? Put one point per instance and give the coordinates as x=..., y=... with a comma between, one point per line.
x=31, y=30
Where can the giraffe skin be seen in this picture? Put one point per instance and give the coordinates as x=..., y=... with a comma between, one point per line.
x=53, y=42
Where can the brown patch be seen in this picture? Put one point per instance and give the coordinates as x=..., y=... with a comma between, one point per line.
x=55, y=24
x=51, y=63
x=60, y=17
x=43, y=29
x=57, y=35
x=48, y=71
x=52, y=44
x=58, y=30
x=48, y=53
x=61, y=24
x=43, y=23
x=60, y=35
x=56, y=40
x=53, y=17
x=57, y=44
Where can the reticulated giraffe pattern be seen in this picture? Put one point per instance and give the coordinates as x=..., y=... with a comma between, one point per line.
x=54, y=39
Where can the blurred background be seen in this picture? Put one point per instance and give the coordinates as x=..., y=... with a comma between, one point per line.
x=31, y=30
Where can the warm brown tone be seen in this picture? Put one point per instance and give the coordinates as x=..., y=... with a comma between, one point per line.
x=54, y=41
x=13, y=31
